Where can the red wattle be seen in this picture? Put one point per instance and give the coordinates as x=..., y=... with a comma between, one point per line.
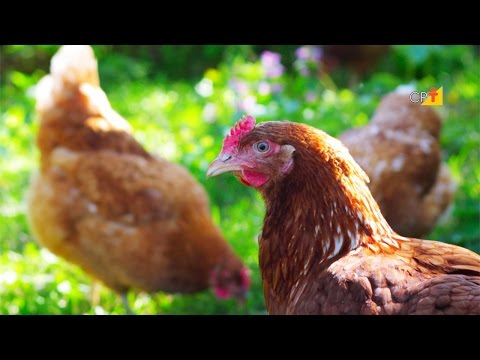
x=244, y=182
x=253, y=178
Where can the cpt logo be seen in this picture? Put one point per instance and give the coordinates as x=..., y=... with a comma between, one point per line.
x=432, y=98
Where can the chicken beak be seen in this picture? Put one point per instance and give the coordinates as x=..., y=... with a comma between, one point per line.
x=222, y=164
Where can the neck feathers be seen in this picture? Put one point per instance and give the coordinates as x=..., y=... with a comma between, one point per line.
x=323, y=209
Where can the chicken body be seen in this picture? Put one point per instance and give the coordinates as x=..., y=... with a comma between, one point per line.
x=325, y=247
x=126, y=217
x=416, y=279
x=421, y=277
x=127, y=220
x=400, y=152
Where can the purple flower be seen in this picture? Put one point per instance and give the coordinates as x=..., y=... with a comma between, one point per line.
x=304, y=71
x=247, y=104
x=264, y=88
x=310, y=96
x=277, y=88
x=308, y=58
x=271, y=64
x=309, y=53
x=239, y=86
x=302, y=53
x=316, y=53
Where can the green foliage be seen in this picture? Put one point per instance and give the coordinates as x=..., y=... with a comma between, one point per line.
x=185, y=121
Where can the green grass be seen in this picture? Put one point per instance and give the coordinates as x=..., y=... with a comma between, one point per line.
x=185, y=121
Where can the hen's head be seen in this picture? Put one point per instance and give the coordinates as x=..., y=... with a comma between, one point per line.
x=308, y=176
x=255, y=154
x=227, y=283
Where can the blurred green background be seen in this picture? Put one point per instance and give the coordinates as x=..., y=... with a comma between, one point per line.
x=181, y=101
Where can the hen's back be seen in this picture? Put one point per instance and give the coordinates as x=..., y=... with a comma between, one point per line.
x=126, y=220
x=422, y=277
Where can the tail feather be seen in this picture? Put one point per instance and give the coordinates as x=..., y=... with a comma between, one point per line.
x=70, y=67
x=74, y=79
x=73, y=65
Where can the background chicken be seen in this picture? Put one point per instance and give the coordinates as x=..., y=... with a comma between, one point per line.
x=126, y=217
x=325, y=247
x=400, y=152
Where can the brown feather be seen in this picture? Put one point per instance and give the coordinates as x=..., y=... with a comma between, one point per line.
x=400, y=152
x=346, y=258
x=102, y=202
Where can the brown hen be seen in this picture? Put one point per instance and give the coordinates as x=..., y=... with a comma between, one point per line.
x=126, y=217
x=400, y=152
x=325, y=247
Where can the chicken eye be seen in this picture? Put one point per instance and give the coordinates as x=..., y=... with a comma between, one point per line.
x=262, y=146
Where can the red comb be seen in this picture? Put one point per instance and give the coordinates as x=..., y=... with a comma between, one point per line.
x=242, y=127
